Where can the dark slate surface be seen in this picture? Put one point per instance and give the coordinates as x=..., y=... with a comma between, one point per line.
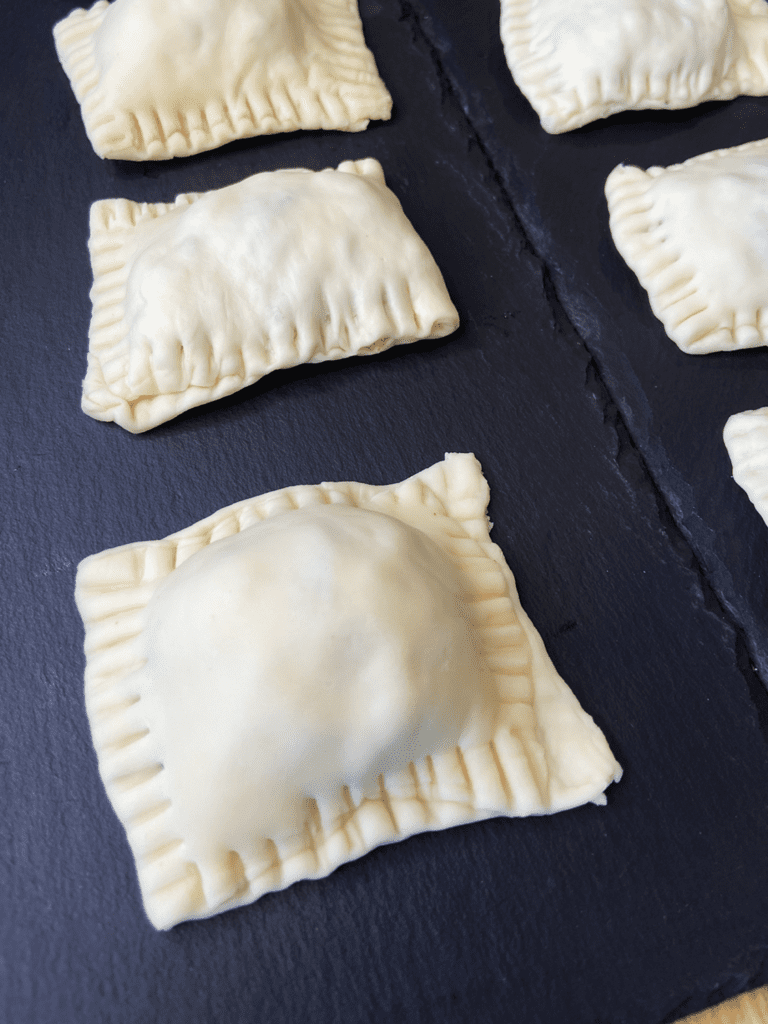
x=638, y=558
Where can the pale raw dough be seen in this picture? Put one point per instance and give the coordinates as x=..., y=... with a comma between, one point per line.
x=308, y=674
x=696, y=235
x=746, y=438
x=196, y=299
x=580, y=61
x=157, y=79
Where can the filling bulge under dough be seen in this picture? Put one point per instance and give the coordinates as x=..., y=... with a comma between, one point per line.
x=320, y=649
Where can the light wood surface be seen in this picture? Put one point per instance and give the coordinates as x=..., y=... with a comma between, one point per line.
x=750, y=1008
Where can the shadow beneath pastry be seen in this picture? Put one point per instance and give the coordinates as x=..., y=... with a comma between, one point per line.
x=671, y=136
x=239, y=159
x=320, y=387
x=648, y=120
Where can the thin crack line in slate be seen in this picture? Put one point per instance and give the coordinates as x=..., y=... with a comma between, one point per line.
x=448, y=89
x=681, y=546
x=709, y=597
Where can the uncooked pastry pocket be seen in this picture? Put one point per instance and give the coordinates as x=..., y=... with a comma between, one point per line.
x=696, y=235
x=157, y=79
x=196, y=299
x=746, y=438
x=308, y=674
x=577, y=62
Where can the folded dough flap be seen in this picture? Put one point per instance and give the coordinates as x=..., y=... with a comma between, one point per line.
x=149, y=91
x=527, y=746
x=195, y=299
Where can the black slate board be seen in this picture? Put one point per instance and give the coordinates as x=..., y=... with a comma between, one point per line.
x=639, y=560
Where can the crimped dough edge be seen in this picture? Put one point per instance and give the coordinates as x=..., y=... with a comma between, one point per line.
x=667, y=275
x=112, y=222
x=746, y=439
x=564, y=110
x=547, y=754
x=122, y=135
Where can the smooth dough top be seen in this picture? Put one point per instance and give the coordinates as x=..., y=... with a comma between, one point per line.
x=308, y=674
x=579, y=62
x=197, y=299
x=320, y=648
x=158, y=79
x=696, y=235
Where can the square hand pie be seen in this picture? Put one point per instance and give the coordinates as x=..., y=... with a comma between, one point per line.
x=311, y=673
x=156, y=79
x=696, y=235
x=196, y=299
x=746, y=438
x=577, y=62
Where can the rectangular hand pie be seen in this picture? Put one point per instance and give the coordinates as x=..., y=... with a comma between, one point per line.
x=577, y=62
x=308, y=674
x=196, y=299
x=746, y=438
x=696, y=235
x=156, y=79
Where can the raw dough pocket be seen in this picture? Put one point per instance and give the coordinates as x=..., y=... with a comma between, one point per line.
x=577, y=62
x=746, y=438
x=196, y=299
x=308, y=674
x=156, y=79
x=696, y=235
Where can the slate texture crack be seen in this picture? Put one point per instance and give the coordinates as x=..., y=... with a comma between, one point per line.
x=635, y=469
x=449, y=91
